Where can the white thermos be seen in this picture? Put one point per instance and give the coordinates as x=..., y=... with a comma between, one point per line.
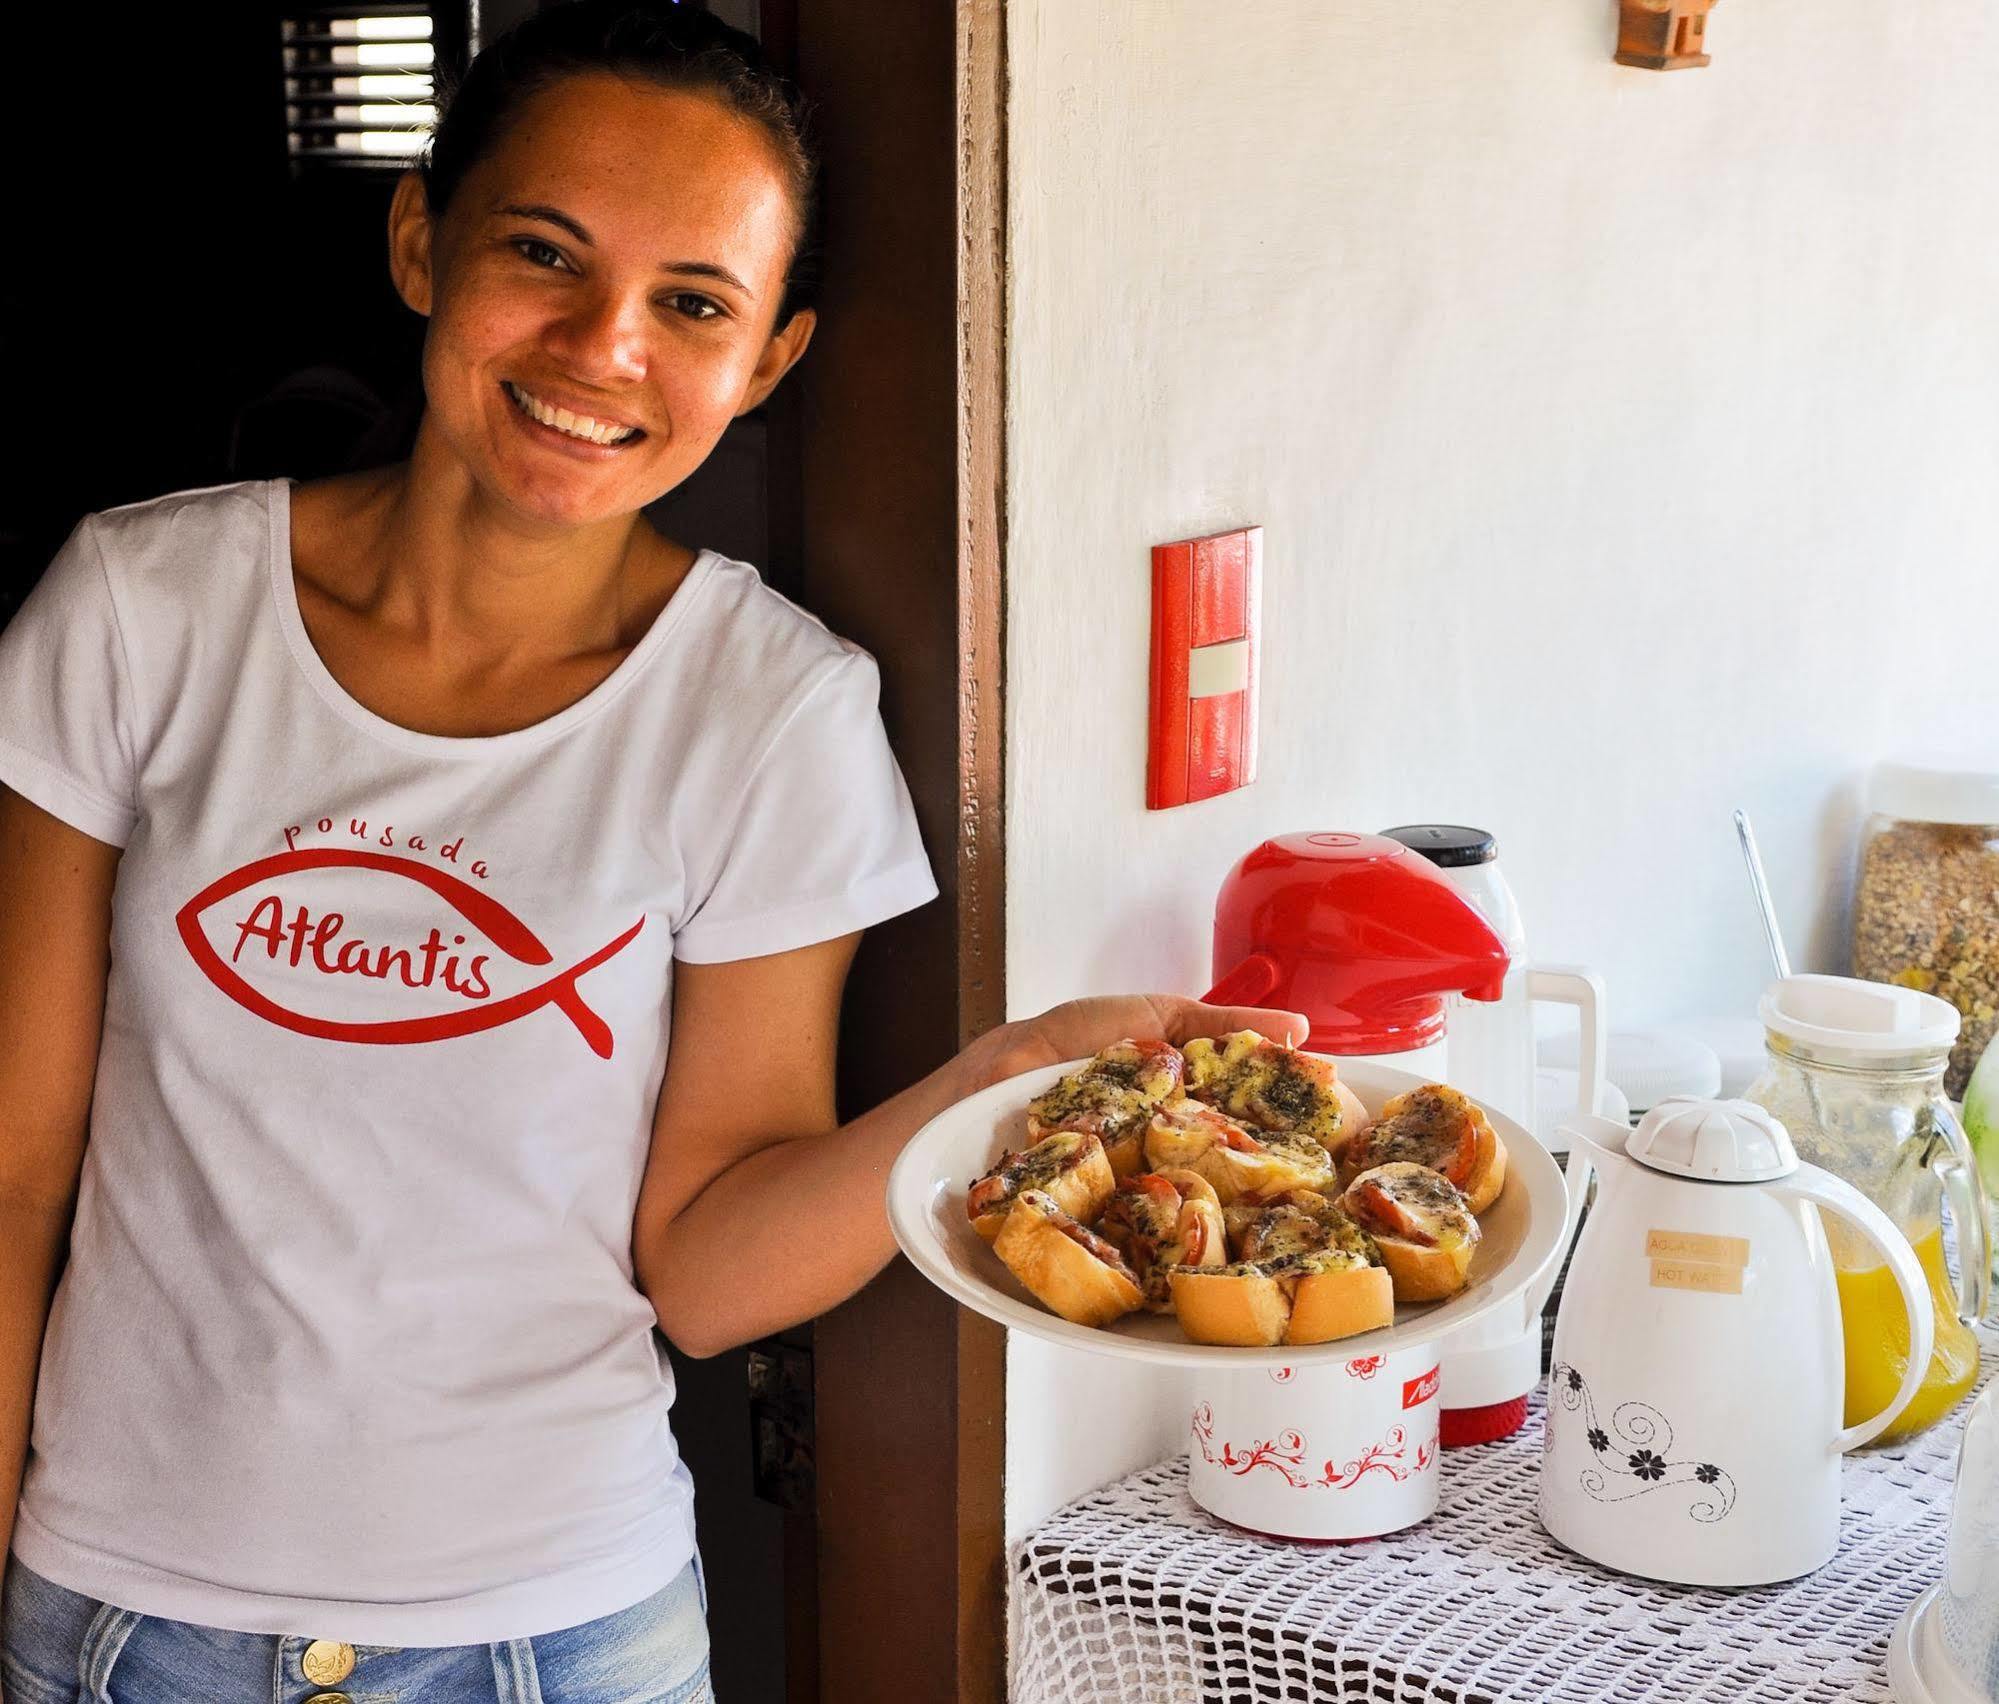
x=1489, y=1368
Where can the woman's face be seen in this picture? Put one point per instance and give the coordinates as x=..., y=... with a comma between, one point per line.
x=601, y=295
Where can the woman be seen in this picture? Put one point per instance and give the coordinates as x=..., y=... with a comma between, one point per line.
x=364, y=845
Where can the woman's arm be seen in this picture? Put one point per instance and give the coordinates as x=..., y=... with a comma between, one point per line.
x=55, y=951
x=757, y=1209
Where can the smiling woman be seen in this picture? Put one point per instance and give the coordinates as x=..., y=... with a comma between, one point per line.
x=353, y=1377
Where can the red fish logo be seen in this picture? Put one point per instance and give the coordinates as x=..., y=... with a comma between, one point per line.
x=310, y=942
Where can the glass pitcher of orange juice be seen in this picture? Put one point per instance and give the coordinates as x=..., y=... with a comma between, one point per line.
x=1855, y=1071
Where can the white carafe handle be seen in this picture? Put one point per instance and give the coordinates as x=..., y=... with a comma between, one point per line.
x=1571, y=985
x=1822, y=1189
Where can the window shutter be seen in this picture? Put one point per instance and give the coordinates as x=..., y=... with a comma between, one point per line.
x=361, y=79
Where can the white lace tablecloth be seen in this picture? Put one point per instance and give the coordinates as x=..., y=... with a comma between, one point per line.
x=1133, y=1595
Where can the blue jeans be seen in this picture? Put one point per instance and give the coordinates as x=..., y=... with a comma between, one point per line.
x=64, y=1648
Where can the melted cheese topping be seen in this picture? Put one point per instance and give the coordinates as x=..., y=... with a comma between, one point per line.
x=1272, y=1087
x=1026, y=1168
x=1112, y=1095
x=1182, y=1131
x=1414, y=1203
x=1433, y=1126
x=1292, y=1229
x=1143, y=1214
x=1306, y=1263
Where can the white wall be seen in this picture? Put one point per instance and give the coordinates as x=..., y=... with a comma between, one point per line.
x=1627, y=445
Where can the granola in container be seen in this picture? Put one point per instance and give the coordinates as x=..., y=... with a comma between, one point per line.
x=1926, y=908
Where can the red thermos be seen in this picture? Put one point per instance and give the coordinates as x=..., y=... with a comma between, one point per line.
x=1361, y=935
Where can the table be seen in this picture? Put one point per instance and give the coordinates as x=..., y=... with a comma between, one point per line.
x=1133, y=1595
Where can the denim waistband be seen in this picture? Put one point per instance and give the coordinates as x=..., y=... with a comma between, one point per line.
x=61, y=1647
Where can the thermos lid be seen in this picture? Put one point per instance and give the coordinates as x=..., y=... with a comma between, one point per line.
x=1876, y=1019
x=1449, y=846
x=1714, y=1141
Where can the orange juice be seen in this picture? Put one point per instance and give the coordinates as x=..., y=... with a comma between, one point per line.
x=1876, y=1327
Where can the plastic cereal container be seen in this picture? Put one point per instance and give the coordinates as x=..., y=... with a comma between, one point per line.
x=1926, y=907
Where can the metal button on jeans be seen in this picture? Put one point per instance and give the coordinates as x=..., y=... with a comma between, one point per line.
x=325, y=1663
x=329, y=1698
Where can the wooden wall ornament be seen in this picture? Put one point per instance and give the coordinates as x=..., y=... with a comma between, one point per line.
x=1663, y=35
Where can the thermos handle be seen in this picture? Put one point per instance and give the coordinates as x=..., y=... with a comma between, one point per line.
x=1822, y=1189
x=1954, y=1164
x=1245, y=984
x=1571, y=985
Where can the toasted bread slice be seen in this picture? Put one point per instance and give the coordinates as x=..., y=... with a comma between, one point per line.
x=1240, y=1307
x=1269, y=1086
x=1159, y=1220
x=1125, y=1152
x=1338, y=1300
x=1070, y=1166
x=1303, y=1299
x=1241, y=1215
x=1439, y=1127
x=1068, y=1268
x=1421, y=1274
x=1113, y=1098
x=1181, y=1131
x=1421, y=1223
x=1266, y=1163
x=1354, y=1119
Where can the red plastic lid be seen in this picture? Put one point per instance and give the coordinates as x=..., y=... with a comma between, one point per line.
x=1356, y=931
x=1460, y=1427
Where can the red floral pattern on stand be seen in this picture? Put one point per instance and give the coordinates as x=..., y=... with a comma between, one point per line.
x=1366, y=1366
x=1384, y=1457
x=1285, y=1454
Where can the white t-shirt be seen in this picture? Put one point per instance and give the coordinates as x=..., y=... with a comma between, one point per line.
x=349, y=1343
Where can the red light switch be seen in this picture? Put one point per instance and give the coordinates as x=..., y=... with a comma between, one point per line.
x=1204, y=644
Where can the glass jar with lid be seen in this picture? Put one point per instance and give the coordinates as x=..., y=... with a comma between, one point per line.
x=1855, y=1071
x=1926, y=904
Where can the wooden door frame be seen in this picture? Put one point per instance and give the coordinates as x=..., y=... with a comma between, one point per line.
x=892, y=450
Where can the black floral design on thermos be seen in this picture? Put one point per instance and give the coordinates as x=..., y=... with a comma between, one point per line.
x=1634, y=1453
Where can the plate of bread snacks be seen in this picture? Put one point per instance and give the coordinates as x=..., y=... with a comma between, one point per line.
x=1233, y=1198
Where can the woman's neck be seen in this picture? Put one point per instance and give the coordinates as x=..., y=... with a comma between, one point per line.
x=443, y=612
x=445, y=561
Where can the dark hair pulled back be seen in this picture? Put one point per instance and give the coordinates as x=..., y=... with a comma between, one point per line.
x=673, y=47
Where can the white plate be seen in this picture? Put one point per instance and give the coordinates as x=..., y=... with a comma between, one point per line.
x=926, y=1207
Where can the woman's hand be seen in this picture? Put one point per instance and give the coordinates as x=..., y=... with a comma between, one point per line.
x=1079, y=1028
x=755, y=1211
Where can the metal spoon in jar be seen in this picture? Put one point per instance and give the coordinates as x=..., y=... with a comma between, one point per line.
x=1771, y=933
x=1761, y=884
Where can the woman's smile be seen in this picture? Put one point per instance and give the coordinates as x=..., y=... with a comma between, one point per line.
x=575, y=426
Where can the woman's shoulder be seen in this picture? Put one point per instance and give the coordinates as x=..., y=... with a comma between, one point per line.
x=185, y=538
x=757, y=633
x=243, y=505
